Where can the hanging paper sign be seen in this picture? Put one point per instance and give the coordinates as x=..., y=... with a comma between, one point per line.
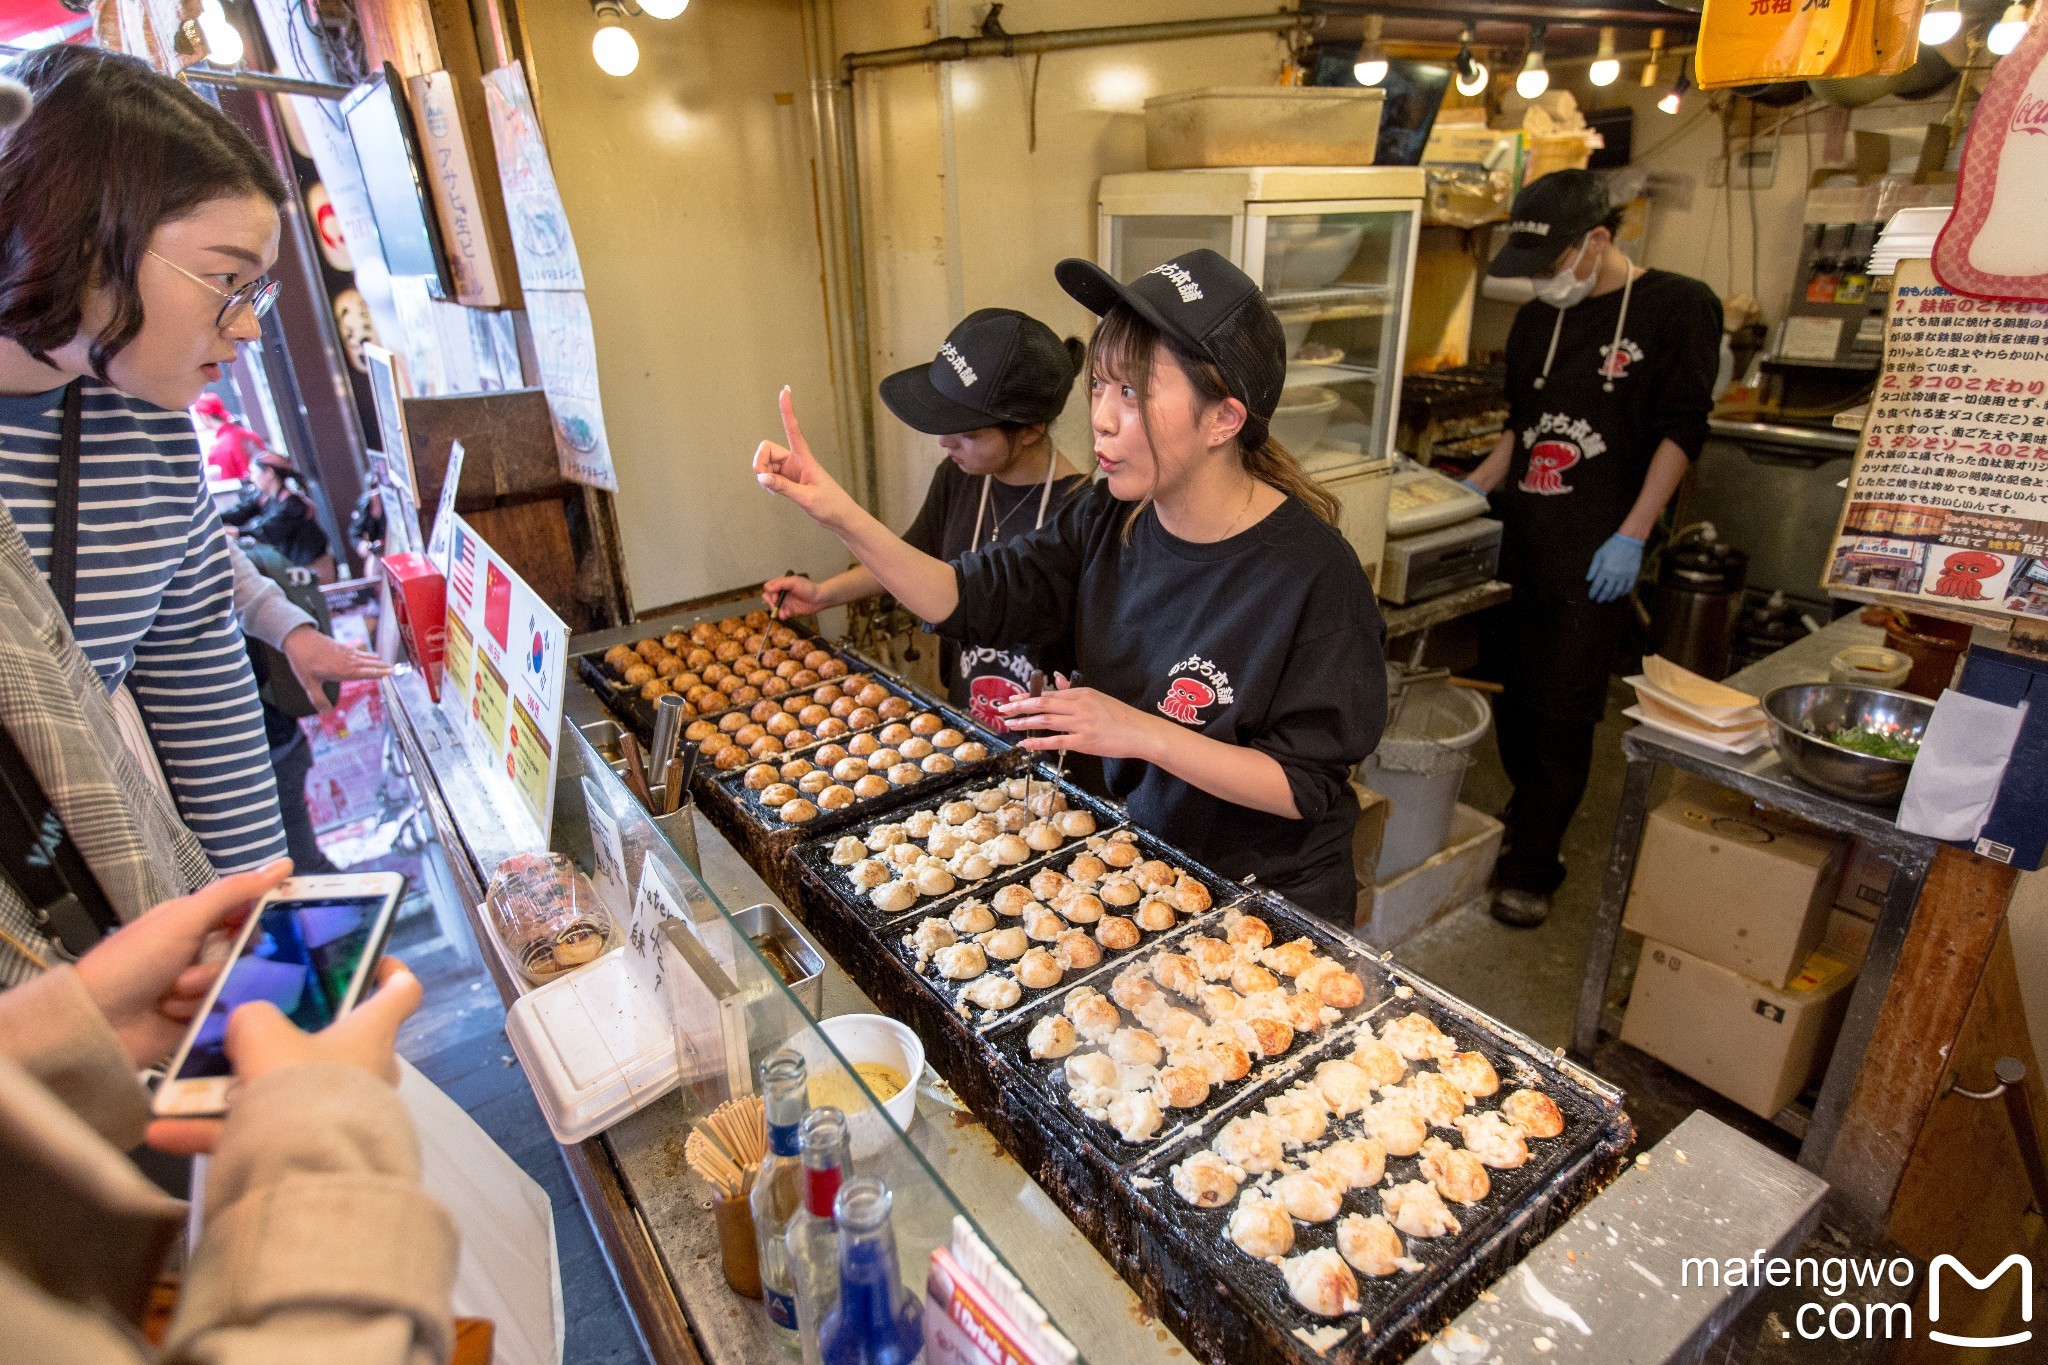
x=1948, y=501
x=1992, y=246
x=567, y=351
x=541, y=242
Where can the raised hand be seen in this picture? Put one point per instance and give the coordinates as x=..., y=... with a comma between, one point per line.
x=792, y=472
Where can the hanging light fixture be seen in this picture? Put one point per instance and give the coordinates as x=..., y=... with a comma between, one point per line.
x=1534, y=77
x=1606, y=68
x=663, y=9
x=1651, y=75
x=1675, y=96
x=612, y=46
x=1372, y=53
x=1472, y=73
x=224, y=45
x=2005, y=35
x=1941, y=21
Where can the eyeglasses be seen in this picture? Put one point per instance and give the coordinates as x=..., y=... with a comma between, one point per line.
x=257, y=295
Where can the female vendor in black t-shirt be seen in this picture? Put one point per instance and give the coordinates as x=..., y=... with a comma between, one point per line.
x=990, y=396
x=1227, y=636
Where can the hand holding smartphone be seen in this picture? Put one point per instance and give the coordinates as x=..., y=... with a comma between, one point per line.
x=309, y=949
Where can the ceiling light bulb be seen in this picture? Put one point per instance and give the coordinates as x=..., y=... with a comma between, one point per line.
x=1939, y=24
x=224, y=45
x=1671, y=100
x=1473, y=82
x=1606, y=68
x=2005, y=35
x=663, y=9
x=1370, y=70
x=616, y=52
x=1532, y=80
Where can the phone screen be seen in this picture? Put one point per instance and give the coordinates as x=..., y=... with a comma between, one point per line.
x=301, y=957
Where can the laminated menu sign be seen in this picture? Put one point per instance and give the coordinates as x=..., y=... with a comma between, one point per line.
x=506, y=655
x=1948, y=502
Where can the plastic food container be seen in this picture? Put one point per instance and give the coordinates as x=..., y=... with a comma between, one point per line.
x=547, y=916
x=1262, y=125
x=595, y=1045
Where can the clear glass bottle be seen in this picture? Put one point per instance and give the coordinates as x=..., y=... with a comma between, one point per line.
x=875, y=1321
x=778, y=1187
x=813, y=1242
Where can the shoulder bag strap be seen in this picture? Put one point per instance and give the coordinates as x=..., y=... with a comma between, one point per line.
x=64, y=519
x=37, y=855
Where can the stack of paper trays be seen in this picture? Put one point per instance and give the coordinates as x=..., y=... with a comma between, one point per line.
x=1682, y=703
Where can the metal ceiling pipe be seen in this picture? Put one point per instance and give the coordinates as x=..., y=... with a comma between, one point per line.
x=1512, y=11
x=269, y=85
x=1067, y=40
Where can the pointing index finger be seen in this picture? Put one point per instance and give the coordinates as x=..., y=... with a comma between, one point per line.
x=790, y=427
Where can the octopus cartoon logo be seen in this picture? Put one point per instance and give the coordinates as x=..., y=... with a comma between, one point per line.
x=1547, y=462
x=1186, y=698
x=1963, y=574
x=985, y=694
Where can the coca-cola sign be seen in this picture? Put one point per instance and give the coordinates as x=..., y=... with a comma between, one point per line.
x=1992, y=246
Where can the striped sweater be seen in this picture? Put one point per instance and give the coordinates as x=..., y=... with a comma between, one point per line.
x=155, y=604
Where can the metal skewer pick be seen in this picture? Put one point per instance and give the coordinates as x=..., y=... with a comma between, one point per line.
x=1037, y=690
x=1059, y=775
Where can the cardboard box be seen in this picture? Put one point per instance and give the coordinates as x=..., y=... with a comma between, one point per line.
x=419, y=599
x=1757, y=1045
x=1731, y=884
x=1848, y=935
x=1866, y=880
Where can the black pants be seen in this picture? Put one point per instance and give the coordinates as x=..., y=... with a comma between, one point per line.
x=1552, y=652
x=291, y=762
x=1329, y=892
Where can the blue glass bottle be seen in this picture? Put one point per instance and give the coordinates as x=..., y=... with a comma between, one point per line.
x=875, y=1321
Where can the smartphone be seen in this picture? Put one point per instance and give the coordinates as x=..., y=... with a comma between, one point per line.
x=309, y=948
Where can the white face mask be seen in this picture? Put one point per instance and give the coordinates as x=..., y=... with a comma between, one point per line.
x=1565, y=289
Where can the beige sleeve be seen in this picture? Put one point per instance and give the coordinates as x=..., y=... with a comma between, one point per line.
x=319, y=1244
x=52, y=1028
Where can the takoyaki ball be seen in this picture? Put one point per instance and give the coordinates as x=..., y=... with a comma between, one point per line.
x=1014, y=900
x=730, y=683
x=742, y=696
x=1075, y=824
x=1121, y=853
x=762, y=776
x=758, y=619
x=704, y=632
x=828, y=693
x=1116, y=933
x=780, y=722
x=828, y=755
x=893, y=708
x=759, y=678
x=973, y=751
x=748, y=732
x=727, y=650
x=788, y=668
x=1155, y=916
x=1042, y=837
x=989, y=800
x=620, y=657
x=882, y=757
x=814, y=782
x=730, y=757
x=1118, y=891
x=813, y=716
x=1080, y=909
x=697, y=731
x=699, y=694
x=732, y=722
x=650, y=648
x=669, y=667
x=836, y=798
x=638, y=675
x=946, y=737
x=798, y=739
x=1038, y=969
x=782, y=635
x=926, y=723
x=893, y=734
x=777, y=794
x=1076, y=951
x=798, y=812
x=654, y=688
x=863, y=746
x=1011, y=819
x=935, y=764
x=863, y=718
x=832, y=668
x=817, y=658
x=764, y=747
x=1006, y=849
x=698, y=659
x=914, y=747
x=933, y=880
x=714, y=673
x=683, y=682
x=761, y=712
x=843, y=707
x=774, y=657
x=905, y=775
x=803, y=677
x=849, y=770
x=832, y=727
x=872, y=695
x=871, y=786
x=794, y=768
x=775, y=687
x=854, y=682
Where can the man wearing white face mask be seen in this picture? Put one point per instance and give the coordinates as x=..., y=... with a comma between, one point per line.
x=1610, y=374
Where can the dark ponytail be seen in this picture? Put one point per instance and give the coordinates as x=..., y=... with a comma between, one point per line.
x=1122, y=349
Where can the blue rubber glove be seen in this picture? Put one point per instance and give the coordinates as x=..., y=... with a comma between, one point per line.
x=1615, y=567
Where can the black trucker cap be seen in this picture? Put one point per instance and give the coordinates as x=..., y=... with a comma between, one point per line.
x=997, y=366
x=1197, y=298
x=1547, y=218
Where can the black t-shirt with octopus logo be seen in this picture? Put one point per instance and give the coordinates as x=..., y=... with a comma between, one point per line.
x=1269, y=639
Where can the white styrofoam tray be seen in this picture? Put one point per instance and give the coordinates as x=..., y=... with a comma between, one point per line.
x=595, y=1045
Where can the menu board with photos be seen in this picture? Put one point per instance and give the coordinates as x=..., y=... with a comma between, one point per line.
x=1948, y=501
x=505, y=668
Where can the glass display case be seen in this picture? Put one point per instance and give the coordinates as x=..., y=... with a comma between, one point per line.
x=1334, y=249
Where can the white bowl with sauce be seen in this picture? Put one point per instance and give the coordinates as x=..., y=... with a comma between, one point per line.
x=890, y=1059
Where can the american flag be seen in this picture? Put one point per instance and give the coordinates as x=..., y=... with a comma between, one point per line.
x=462, y=574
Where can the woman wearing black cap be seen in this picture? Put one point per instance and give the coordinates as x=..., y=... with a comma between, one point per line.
x=1228, y=638
x=990, y=396
x=1610, y=379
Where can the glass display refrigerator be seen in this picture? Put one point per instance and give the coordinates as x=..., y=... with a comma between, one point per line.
x=1334, y=249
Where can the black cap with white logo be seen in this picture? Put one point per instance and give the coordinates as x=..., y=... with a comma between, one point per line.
x=1200, y=300
x=998, y=366
x=1547, y=219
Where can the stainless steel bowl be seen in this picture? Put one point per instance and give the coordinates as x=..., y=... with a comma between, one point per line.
x=1801, y=712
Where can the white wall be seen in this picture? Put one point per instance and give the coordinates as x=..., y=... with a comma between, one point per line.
x=689, y=187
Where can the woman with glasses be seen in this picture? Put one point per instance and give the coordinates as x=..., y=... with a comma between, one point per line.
x=136, y=227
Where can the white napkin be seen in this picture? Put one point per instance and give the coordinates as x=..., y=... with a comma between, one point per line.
x=1962, y=760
